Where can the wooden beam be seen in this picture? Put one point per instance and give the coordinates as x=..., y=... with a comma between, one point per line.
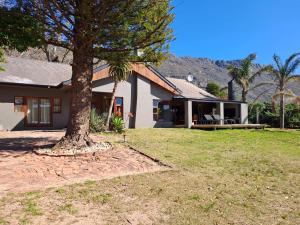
x=141, y=70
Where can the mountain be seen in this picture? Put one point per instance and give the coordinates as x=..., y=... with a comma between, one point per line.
x=205, y=70
x=202, y=69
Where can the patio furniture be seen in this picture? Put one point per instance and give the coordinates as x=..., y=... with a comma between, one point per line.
x=209, y=119
x=217, y=118
x=195, y=119
x=229, y=121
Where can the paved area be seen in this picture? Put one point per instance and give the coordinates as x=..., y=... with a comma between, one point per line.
x=22, y=170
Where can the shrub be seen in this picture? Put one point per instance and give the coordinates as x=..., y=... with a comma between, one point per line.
x=117, y=124
x=267, y=115
x=216, y=90
x=97, y=122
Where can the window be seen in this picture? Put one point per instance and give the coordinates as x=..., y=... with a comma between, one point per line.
x=118, y=107
x=57, y=105
x=18, y=104
x=38, y=111
x=161, y=110
x=155, y=109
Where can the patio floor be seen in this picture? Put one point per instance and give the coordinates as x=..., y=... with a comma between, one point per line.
x=21, y=169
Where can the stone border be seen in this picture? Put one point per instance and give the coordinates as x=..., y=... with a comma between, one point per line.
x=158, y=161
x=108, y=147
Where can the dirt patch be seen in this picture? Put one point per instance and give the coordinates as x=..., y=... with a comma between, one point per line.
x=21, y=169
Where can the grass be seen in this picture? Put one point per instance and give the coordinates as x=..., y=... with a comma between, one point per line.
x=220, y=177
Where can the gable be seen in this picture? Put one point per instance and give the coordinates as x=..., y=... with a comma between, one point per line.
x=140, y=70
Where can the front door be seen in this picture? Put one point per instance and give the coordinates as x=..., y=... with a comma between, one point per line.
x=38, y=112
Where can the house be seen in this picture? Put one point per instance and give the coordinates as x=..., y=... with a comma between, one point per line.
x=36, y=95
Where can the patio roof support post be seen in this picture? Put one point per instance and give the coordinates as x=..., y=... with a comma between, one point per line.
x=221, y=107
x=188, y=108
x=244, y=113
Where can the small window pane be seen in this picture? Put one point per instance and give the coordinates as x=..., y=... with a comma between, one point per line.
x=119, y=101
x=155, y=103
x=18, y=104
x=57, y=105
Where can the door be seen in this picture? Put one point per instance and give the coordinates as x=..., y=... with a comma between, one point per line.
x=38, y=112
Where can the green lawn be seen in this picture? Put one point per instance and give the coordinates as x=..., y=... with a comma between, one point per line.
x=219, y=177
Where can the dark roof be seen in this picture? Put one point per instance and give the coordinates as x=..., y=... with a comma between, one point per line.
x=34, y=72
x=50, y=74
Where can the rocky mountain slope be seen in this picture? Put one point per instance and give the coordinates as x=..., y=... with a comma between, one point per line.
x=205, y=70
x=202, y=69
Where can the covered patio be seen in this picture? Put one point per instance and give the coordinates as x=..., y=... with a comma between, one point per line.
x=198, y=112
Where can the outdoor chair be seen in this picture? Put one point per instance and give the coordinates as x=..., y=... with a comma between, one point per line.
x=209, y=119
x=195, y=119
x=230, y=121
x=217, y=118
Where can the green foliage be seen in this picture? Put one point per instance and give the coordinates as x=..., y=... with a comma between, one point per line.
x=97, y=122
x=269, y=114
x=19, y=29
x=119, y=70
x=292, y=115
x=117, y=124
x=215, y=90
x=283, y=74
x=244, y=76
x=2, y=58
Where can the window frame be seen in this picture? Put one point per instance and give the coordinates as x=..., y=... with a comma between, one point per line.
x=22, y=105
x=115, y=106
x=26, y=124
x=53, y=105
x=158, y=114
x=155, y=114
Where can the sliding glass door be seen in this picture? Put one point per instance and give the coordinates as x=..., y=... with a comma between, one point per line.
x=38, y=111
x=32, y=111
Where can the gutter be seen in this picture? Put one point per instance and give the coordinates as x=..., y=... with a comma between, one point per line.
x=32, y=85
x=207, y=100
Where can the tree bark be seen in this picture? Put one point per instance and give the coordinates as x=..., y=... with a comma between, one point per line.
x=244, y=95
x=282, y=111
x=111, y=105
x=77, y=134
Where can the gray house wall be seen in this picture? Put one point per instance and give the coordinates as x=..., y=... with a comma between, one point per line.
x=138, y=93
x=10, y=120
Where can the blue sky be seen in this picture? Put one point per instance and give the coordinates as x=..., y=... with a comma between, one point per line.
x=231, y=29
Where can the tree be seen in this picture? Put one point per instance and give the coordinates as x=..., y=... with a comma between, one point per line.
x=102, y=29
x=215, y=89
x=18, y=29
x=119, y=71
x=244, y=76
x=283, y=74
x=2, y=59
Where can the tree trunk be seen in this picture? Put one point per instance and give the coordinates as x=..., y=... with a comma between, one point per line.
x=77, y=134
x=244, y=96
x=282, y=111
x=111, y=105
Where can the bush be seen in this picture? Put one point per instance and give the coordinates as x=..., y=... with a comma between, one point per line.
x=117, y=124
x=97, y=122
x=267, y=115
x=216, y=90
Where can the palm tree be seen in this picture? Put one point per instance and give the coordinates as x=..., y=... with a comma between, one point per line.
x=119, y=71
x=284, y=73
x=244, y=76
